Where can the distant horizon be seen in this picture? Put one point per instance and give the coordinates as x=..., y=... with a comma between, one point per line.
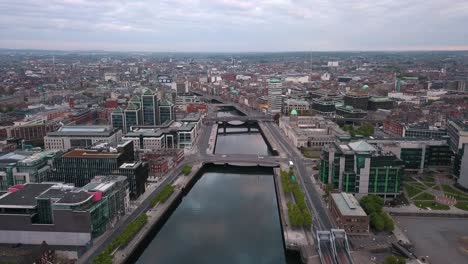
x=233, y=52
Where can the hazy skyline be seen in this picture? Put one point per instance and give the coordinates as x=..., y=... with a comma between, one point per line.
x=234, y=26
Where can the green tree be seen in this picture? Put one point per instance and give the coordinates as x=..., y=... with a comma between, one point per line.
x=377, y=222
x=186, y=169
x=371, y=203
x=389, y=225
x=366, y=129
x=307, y=218
x=394, y=260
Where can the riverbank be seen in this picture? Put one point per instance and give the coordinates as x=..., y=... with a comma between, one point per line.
x=155, y=214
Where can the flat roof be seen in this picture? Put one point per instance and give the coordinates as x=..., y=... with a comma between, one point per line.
x=83, y=131
x=82, y=153
x=347, y=204
x=25, y=197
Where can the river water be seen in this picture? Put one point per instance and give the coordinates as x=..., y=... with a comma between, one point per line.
x=229, y=216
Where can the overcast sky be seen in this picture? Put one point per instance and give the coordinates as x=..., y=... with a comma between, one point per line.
x=234, y=25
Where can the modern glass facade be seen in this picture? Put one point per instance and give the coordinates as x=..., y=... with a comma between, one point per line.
x=132, y=118
x=411, y=157
x=150, y=106
x=438, y=156
x=117, y=119
x=166, y=112
x=361, y=171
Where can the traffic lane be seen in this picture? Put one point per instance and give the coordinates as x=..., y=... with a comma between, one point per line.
x=316, y=200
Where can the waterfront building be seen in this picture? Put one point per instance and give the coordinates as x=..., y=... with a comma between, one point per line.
x=362, y=169
x=22, y=167
x=79, y=166
x=68, y=137
x=348, y=214
x=60, y=214
x=311, y=131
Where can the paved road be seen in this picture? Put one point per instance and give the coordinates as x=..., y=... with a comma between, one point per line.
x=314, y=200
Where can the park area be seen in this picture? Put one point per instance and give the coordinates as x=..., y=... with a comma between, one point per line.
x=434, y=192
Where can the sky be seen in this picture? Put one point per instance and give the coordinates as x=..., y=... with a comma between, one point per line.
x=234, y=25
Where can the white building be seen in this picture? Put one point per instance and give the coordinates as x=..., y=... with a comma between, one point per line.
x=310, y=131
x=297, y=78
x=68, y=137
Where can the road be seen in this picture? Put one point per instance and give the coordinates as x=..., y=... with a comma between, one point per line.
x=314, y=200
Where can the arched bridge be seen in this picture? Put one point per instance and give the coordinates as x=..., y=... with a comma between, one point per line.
x=238, y=118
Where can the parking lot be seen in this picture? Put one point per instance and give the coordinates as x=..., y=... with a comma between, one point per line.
x=437, y=239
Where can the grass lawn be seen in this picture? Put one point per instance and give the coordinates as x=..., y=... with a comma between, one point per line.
x=451, y=191
x=418, y=185
x=412, y=190
x=431, y=204
x=462, y=205
x=424, y=196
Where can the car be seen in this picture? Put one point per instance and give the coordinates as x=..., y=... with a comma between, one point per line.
x=223, y=156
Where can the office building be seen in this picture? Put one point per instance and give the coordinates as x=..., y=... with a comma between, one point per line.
x=350, y=112
x=275, y=95
x=457, y=129
x=68, y=137
x=376, y=103
x=180, y=134
x=22, y=167
x=132, y=116
x=424, y=131
x=79, y=166
x=418, y=155
x=357, y=99
x=311, y=131
x=298, y=105
x=362, y=169
x=166, y=112
x=60, y=214
x=348, y=214
x=118, y=119
x=150, y=108
x=323, y=106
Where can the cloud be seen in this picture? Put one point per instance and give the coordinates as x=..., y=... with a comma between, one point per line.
x=234, y=25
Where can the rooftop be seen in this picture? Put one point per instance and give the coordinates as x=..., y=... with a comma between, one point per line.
x=24, y=197
x=347, y=204
x=83, y=153
x=361, y=146
x=83, y=131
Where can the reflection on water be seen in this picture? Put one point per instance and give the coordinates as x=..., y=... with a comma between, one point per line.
x=241, y=143
x=225, y=218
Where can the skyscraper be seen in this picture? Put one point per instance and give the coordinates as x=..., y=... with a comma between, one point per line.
x=275, y=98
x=149, y=102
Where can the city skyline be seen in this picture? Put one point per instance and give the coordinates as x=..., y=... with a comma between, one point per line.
x=234, y=26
